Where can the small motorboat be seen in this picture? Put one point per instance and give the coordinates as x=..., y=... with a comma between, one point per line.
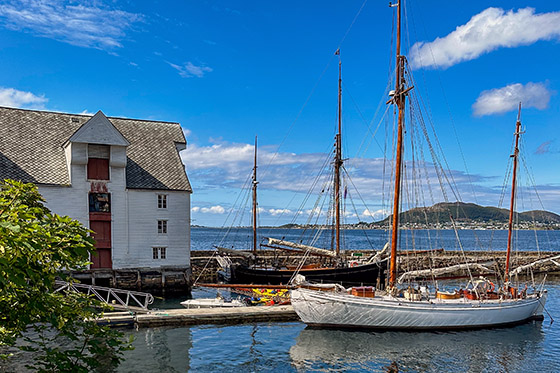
x=212, y=303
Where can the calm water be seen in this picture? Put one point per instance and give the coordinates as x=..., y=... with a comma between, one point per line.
x=205, y=238
x=291, y=347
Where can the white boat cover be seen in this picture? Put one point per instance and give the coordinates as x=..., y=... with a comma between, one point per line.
x=386, y=312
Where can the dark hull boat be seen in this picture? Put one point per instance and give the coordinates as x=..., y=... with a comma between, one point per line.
x=366, y=274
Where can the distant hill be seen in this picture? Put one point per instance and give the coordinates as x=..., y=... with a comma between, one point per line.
x=470, y=212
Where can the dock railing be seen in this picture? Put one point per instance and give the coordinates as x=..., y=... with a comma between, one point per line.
x=118, y=298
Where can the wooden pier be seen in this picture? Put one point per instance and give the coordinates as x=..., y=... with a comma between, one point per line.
x=199, y=316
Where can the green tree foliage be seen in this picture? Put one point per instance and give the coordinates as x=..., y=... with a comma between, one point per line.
x=56, y=329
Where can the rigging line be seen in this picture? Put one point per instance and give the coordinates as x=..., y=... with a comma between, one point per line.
x=318, y=211
x=241, y=193
x=461, y=246
x=415, y=103
x=354, y=206
x=366, y=147
x=534, y=187
x=265, y=169
x=307, y=195
x=368, y=125
x=446, y=172
x=352, y=24
x=301, y=186
x=318, y=177
x=533, y=218
x=205, y=266
x=418, y=176
x=447, y=105
x=241, y=214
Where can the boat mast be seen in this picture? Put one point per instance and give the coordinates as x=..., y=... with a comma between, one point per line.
x=254, y=213
x=399, y=99
x=515, y=155
x=338, y=156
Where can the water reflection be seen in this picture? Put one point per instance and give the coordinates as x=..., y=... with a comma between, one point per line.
x=509, y=349
x=159, y=350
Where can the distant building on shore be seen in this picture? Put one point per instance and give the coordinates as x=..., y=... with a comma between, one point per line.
x=122, y=178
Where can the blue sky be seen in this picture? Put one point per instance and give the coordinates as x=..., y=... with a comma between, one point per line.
x=230, y=70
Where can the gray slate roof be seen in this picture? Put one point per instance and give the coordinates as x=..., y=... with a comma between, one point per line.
x=31, y=149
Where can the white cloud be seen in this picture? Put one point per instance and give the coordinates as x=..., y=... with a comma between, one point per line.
x=90, y=25
x=489, y=30
x=276, y=212
x=226, y=164
x=501, y=100
x=209, y=210
x=286, y=178
x=20, y=99
x=213, y=210
x=375, y=215
x=190, y=70
x=349, y=214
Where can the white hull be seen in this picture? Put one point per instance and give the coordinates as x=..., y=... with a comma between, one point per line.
x=385, y=312
x=211, y=303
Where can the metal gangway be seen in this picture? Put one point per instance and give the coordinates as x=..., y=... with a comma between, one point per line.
x=117, y=298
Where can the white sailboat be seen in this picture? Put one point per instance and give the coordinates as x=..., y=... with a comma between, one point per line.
x=406, y=309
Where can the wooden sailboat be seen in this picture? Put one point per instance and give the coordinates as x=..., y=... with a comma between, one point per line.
x=341, y=271
x=410, y=308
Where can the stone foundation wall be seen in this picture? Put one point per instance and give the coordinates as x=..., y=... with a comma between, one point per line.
x=155, y=281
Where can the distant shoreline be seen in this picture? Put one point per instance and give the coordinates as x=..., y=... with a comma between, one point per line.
x=472, y=228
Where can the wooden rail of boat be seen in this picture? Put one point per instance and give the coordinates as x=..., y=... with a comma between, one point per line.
x=412, y=252
x=257, y=286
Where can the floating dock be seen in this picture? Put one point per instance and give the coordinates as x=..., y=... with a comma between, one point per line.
x=199, y=316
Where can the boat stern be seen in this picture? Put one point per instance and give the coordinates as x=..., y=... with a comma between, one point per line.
x=538, y=313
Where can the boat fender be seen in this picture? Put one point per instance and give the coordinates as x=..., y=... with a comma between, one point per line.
x=492, y=287
x=353, y=264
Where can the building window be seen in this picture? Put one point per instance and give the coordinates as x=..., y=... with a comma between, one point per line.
x=98, y=162
x=98, y=169
x=99, y=202
x=162, y=226
x=158, y=252
x=162, y=201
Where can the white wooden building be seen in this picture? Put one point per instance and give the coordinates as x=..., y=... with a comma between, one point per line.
x=122, y=178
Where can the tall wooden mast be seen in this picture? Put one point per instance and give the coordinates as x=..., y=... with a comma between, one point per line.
x=515, y=156
x=338, y=156
x=254, y=212
x=399, y=99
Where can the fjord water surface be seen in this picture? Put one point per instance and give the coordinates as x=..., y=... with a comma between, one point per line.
x=293, y=347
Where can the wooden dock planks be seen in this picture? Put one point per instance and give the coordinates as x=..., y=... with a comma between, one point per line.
x=199, y=316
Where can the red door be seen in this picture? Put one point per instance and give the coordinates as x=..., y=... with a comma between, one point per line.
x=102, y=236
x=101, y=259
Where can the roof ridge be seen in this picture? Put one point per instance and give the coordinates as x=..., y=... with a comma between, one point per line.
x=88, y=115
